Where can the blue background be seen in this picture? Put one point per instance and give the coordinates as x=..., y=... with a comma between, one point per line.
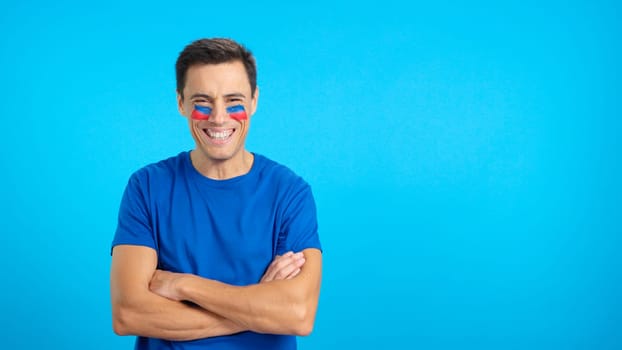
x=464, y=158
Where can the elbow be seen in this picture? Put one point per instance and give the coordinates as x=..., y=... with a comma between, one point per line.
x=305, y=320
x=120, y=324
x=119, y=328
x=304, y=329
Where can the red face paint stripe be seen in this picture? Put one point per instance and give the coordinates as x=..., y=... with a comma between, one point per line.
x=237, y=112
x=201, y=113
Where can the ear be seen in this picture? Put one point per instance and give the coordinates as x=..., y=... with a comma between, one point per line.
x=254, y=101
x=180, y=104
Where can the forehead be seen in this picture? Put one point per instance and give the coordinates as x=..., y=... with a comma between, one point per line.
x=216, y=79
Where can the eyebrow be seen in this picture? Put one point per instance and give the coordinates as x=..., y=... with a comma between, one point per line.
x=205, y=96
x=235, y=94
x=208, y=97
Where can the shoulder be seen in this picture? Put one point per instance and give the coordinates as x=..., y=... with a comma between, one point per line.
x=159, y=173
x=278, y=174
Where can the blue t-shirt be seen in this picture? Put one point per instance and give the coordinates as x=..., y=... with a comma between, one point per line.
x=227, y=230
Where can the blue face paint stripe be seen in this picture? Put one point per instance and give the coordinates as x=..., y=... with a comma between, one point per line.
x=235, y=109
x=237, y=112
x=201, y=113
x=203, y=109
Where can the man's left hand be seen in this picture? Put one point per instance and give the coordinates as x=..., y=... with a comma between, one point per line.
x=284, y=267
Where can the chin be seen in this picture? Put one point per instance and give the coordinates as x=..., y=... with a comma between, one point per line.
x=218, y=155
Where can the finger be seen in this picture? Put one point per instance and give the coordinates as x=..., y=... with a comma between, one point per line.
x=279, y=258
x=285, y=261
x=288, y=269
x=282, y=267
x=274, y=266
x=276, y=258
x=287, y=254
x=294, y=274
x=270, y=270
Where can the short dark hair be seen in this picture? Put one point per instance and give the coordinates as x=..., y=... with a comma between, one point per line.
x=214, y=51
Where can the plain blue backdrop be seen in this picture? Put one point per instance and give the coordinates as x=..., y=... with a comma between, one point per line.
x=465, y=160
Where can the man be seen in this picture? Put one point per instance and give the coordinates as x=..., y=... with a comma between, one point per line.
x=216, y=248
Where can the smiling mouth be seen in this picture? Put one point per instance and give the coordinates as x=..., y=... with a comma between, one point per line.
x=218, y=135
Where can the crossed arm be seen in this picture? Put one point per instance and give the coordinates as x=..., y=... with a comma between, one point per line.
x=147, y=301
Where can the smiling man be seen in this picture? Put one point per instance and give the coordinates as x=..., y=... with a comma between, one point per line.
x=216, y=248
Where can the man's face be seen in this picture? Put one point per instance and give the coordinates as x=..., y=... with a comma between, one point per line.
x=219, y=87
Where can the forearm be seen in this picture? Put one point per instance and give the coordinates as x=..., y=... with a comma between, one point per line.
x=283, y=306
x=151, y=315
x=273, y=307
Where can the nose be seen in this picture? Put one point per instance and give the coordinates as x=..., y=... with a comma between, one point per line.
x=219, y=113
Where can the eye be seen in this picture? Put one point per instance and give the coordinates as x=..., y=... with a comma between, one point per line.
x=201, y=102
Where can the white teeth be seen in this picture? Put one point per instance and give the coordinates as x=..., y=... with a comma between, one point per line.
x=219, y=134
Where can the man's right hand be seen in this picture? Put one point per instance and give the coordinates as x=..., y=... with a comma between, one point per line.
x=286, y=266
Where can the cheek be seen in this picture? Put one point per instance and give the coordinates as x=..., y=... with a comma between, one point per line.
x=243, y=130
x=239, y=116
x=196, y=115
x=201, y=113
x=237, y=112
x=194, y=127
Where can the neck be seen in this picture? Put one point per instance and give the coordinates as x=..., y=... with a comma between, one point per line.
x=215, y=169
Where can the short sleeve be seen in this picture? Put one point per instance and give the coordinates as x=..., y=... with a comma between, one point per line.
x=299, y=228
x=134, y=226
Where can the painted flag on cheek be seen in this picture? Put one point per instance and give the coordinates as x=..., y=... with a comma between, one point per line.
x=201, y=113
x=237, y=112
